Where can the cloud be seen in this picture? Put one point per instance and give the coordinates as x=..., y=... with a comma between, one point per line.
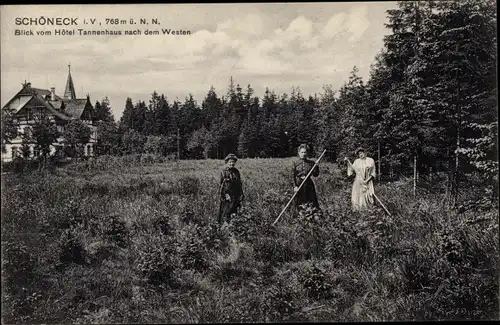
x=300, y=27
x=334, y=26
x=358, y=22
x=251, y=25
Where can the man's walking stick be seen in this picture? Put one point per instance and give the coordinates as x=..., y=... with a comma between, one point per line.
x=378, y=200
x=303, y=181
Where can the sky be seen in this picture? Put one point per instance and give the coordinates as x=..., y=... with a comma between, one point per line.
x=274, y=45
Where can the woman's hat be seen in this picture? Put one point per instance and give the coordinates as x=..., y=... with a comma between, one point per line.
x=359, y=149
x=231, y=157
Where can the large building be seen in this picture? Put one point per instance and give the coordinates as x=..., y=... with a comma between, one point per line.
x=30, y=103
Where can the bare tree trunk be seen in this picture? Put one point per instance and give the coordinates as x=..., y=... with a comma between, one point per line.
x=415, y=176
x=450, y=188
x=459, y=121
x=178, y=144
x=379, y=162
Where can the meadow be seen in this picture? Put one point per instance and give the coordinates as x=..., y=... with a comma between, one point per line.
x=133, y=240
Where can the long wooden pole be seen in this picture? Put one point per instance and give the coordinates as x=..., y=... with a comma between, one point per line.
x=301, y=184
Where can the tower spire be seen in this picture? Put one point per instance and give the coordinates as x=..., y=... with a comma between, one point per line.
x=69, y=93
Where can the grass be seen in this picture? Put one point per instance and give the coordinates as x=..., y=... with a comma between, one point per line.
x=133, y=241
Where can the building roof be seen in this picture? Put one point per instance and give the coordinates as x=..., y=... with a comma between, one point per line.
x=66, y=108
x=28, y=90
x=75, y=107
x=45, y=93
x=53, y=110
x=56, y=103
x=69, y=93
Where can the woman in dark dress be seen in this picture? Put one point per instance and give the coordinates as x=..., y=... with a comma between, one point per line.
x=230, y=190
x=300, y=169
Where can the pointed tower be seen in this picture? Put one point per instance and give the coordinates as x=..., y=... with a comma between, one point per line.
x=69, y=93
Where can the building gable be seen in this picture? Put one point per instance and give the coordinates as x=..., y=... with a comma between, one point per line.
x=79, y=108
x=37, y=105
x=88, y=111
x=17, y=103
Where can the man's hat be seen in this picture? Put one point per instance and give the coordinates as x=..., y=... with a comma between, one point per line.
x=231, y=157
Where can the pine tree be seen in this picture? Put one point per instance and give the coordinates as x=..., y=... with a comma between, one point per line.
x=325, y=117
x=150, y=115
x=126, y=121
x=189, y=120
x=243, y=141
x=138, y=117
x=352, y=116
x=162, y=115
x=211, y=107
x=103, y=112
x=467, y=60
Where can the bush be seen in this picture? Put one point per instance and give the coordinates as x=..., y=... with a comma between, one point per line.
x=161, y=224
x=245, y=224
x=309, y=216
x=192, y=248
x=18, y=265
x=71, y=247
x=214, y=238
x=116, y=230
x=67, y=213
x=188, y=185
x=316, y=284
x=156, y=259
x=278, y=250
x=278, y=304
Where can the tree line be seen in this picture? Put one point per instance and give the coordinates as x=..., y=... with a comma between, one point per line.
x=430, y=99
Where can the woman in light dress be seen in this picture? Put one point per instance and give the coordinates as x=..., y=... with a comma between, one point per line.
x=362, y=187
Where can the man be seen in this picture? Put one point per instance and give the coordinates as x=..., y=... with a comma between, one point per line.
x=300, y=169
x=230, y=190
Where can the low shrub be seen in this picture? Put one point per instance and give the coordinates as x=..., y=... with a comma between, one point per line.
x=316, y=283
x=188, y=185
x=71, y=246
x=192, y=248
x=156, y=259
x=115, y=228
x=18, y=265
x=278, y=303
